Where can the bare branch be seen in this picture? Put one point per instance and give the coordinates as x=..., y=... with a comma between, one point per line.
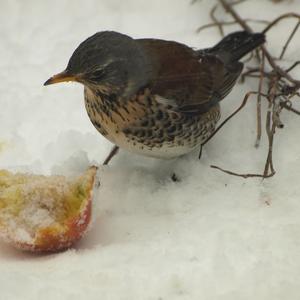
x=228, y=23
x=281, y=86
x=258, y=106
x=243, y=175
x=289, y=40
x=280, y=18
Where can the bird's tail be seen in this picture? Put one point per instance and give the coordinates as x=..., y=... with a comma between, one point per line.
x=236, y=45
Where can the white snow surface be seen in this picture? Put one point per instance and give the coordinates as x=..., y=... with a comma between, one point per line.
x=210, y=236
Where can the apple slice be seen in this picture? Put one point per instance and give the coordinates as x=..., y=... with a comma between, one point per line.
x=45, y=213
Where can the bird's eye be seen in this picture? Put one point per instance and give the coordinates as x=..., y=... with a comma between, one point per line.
x=97, y=75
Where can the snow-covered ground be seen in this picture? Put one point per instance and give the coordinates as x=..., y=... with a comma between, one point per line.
x=210, y=236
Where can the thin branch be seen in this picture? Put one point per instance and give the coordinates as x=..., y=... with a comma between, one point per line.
x=228, y=23
x=270, y=59
x=294, y=65
x=235, y=16
x=284, y=16
x=282, y=88
x=258, y=105
x=289, y=40
x=246, y=98
x=289, y=108
x=249, y=175
x=213, y=17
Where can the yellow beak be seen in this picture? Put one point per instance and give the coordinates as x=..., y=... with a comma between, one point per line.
x=61, y=77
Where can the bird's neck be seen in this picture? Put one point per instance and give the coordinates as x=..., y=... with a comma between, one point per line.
x=103, y=101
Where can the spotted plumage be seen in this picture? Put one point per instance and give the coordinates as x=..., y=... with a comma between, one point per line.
x=147, y=127
x=154, y=97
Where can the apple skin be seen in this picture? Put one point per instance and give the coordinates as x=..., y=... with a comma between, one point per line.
x=61, y=236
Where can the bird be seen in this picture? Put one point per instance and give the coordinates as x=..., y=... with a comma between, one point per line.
x=156, y=97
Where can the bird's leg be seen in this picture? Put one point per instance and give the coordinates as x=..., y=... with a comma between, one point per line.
x=112, y=153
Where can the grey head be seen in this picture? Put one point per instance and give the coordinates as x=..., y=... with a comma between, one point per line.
x=107, y=60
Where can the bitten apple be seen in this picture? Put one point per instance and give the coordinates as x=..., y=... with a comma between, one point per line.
x=45, y=213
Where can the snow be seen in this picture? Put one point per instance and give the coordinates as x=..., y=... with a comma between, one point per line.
x=31, y=204
x=210, y=236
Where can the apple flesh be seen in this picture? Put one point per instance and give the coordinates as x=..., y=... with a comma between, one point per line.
x=45, y=213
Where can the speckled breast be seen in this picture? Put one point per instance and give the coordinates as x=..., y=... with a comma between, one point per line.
x=144, y=126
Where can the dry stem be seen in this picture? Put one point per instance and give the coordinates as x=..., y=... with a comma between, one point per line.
x=281, y=86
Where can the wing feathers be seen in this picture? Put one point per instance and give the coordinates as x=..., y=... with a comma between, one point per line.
x=185, y=80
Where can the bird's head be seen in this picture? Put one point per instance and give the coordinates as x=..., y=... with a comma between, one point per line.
x=107, y=60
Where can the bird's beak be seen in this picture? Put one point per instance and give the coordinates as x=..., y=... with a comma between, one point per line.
x=61, y=77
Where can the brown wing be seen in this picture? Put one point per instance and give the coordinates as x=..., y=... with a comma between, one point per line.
x=185, y=80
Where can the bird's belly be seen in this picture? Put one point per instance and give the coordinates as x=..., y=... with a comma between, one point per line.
x=163, y=150
x=163, y=140
x=152, y=130
x=152, y=147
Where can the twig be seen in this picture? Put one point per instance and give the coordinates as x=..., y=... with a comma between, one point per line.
x=270, y=129
x=223, y=23
x=282, y=87
x=289, y=40
x=213, y=17
x=243, y=175
x=246, y=98
x=235, y=16
x=294, y=65
x=277, y=20
x=228, y=23
x=258, y=105
x=289, y=108
x=245, y=26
